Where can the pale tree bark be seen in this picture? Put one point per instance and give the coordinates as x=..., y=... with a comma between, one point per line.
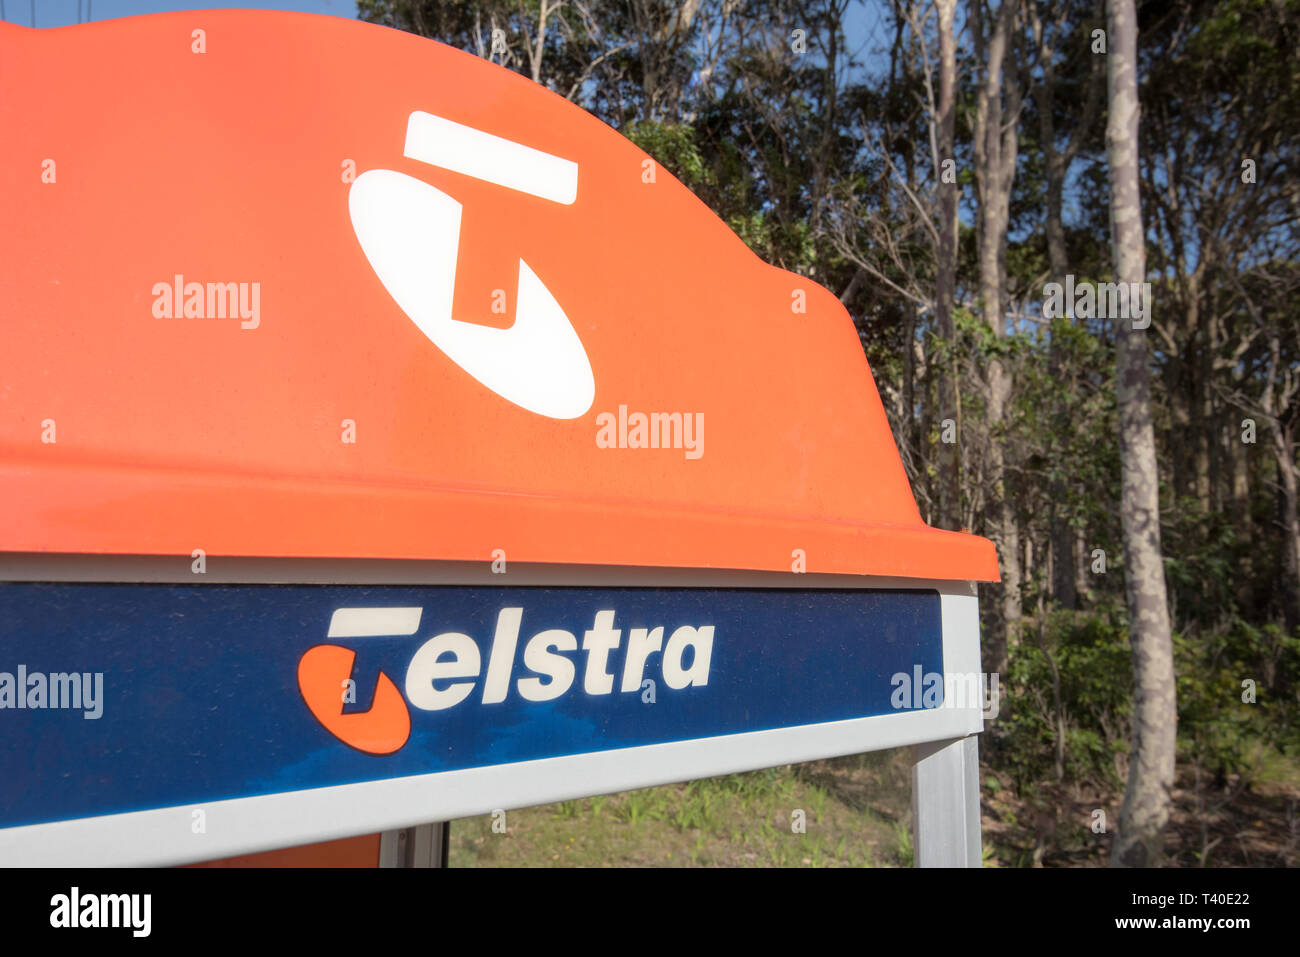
x=537, y=51
x=1284, y=454
x=1145, y=812
x=1239, y=493
x=1282, y=385
x=1083, y=562
x=995, y=166
x=946, y=267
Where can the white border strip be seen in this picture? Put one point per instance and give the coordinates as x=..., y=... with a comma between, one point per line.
x=247, y=825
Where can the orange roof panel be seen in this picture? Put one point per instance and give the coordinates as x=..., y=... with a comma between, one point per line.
x=325, y=289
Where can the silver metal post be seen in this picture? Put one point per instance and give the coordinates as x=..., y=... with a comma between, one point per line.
x=422, y=846
x=946, y=804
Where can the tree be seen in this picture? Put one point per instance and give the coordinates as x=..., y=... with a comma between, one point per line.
x=1145, y=811
x=997, y=130
x=946, y=267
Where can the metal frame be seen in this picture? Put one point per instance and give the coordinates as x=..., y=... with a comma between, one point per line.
x=946, y=804
x=945, y=776
x=423, y=846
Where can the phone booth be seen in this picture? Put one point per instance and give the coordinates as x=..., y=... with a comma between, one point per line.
x=385, y=440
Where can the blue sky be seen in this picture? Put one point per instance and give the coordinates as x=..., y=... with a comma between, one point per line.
x=61, y=13
x=862, y=22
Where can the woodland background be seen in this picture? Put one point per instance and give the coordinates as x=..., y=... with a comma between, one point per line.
x=818, y=130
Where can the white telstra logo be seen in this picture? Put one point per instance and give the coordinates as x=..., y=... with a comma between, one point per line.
x=410, y=233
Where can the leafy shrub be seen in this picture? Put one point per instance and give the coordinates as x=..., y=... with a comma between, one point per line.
x=1217, y=729
x=1090, y=654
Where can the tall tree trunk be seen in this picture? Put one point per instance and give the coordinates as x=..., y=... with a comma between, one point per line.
x=1178, y=388
x=1239, y=502
x=995, y=151
x=1083, y=562
x=1140, y=841
x=1061, y=539
x=907, y=414
x=1282, y=440
x=1284, y=454
x=1205, y=419
x=946, y=269
x=537, y=51
x=1239, y=497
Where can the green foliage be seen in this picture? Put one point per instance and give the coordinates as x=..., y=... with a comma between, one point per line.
x=904, y=849
x=1219, y=730
x=673, y=146
x=1061, y=428
x=568, y=809
x=1203, y=561
x=1090, y=652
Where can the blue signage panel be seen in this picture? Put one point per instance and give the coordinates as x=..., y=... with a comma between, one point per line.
x=128, y=697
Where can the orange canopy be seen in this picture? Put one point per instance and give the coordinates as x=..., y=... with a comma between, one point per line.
x=289, y=285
